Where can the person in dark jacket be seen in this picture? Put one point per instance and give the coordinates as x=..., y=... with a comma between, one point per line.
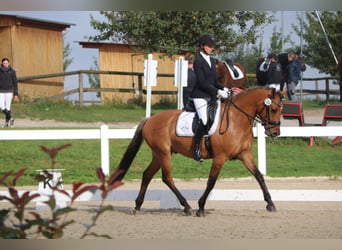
x=191, y=81
x=293, y=76
x=8, y=90
x=274, y=72
x=339, y=69
x=284, y=59
x=206, y=89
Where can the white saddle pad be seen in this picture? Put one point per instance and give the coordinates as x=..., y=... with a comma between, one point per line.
x=232, y=73
x=184, y=122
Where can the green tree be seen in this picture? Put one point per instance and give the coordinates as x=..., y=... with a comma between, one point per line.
x=173, y=32
x=66, y=53
x=248, y=54
x=316, y=50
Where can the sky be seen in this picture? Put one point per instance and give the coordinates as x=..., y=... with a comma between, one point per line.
x=83, y=59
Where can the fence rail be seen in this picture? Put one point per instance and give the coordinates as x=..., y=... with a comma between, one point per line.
x=104, y=134
x=81, y=90
x=166, y=197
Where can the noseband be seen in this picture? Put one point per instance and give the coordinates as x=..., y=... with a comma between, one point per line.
x=268, y=124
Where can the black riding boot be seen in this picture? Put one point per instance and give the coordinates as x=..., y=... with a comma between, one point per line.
x=196, y=153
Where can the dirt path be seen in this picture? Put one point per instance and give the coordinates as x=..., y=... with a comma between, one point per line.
x=223, y=220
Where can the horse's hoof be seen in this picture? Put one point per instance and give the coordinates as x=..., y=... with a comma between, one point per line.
x=134, y=211
x=271, y=208
x=200, y=213
x=187, y=212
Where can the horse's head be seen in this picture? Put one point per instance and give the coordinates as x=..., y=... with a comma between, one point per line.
x=269, y=112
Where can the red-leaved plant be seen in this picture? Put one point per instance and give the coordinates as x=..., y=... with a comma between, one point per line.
x=21, y=227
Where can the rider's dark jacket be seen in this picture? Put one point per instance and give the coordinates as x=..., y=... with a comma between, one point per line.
x=207, y=83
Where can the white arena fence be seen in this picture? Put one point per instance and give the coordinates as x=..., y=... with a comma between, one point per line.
x=167, y=199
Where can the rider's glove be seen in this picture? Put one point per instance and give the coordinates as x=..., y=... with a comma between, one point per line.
x=222, y=93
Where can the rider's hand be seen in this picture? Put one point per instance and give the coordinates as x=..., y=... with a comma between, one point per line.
x=222, y=93
x=227, y=90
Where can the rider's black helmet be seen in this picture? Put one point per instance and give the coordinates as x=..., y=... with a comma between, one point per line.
x=206, y=39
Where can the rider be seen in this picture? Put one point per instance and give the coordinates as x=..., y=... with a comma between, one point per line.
x=206, y=89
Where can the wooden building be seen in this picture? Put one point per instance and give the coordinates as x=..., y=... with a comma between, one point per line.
x=121, y=57
x=34, y=47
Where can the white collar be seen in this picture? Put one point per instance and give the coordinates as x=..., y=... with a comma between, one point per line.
x=206, y=57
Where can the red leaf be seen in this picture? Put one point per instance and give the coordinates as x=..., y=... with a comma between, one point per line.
x=76, y=185
x=4, y=177
x=26, y=198
x=91, y=188
x=17, y=176
x=100, y=175
x=64, y=146
x=36, y=215
x=14, y=193
x=115, y=185
x=63, y=192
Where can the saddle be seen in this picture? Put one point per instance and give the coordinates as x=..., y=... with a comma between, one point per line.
x=234, y=71
x=188, y=120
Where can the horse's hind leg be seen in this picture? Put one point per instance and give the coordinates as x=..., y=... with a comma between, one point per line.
x=148, y=174
x=168, y=180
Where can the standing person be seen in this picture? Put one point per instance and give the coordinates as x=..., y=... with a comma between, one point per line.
x=206, y=89
x=284, y=59
x=191, y=81
x=8, y=90
x=293, y=76
x=340, y=74
x=261, y=71
x=274, y=72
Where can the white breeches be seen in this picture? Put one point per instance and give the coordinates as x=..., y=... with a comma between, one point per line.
x=5, y=101
x=275, y=85
x=201, y=108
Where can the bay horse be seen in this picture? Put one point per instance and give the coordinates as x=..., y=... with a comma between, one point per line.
x=232, y=140
x=224, y=76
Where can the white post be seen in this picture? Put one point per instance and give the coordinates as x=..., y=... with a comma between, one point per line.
x=261, y=149
x=104, y=132
x=181, y=79
x=148, y=85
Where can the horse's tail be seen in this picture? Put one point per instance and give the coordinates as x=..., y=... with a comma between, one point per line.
x=129, y=154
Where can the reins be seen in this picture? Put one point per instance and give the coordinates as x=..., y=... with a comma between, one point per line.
x=268, y=101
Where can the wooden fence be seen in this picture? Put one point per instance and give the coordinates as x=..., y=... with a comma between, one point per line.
x=81, y=90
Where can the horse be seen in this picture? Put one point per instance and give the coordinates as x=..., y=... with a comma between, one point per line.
x=231, y=141
x=226, y=78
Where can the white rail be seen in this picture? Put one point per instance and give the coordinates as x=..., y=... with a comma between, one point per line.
x=105, y=134
x=166, y=198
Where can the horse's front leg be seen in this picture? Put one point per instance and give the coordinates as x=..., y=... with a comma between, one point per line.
x=214, y=172
x=267, y=197
x=248, y=160
x=201, y=202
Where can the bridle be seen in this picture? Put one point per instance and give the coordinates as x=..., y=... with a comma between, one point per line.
x=267, y=123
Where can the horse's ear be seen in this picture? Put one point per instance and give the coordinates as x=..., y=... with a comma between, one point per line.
x=273, y=92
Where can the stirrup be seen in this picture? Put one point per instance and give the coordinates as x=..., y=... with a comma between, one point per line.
x=197, y=156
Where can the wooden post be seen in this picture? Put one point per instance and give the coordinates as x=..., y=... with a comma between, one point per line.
x=327, y=90
x=316, y=87
x=80, y=87
x=140, y=86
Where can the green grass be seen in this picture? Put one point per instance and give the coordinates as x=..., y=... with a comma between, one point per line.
x=83, y=157
x=117, y=112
